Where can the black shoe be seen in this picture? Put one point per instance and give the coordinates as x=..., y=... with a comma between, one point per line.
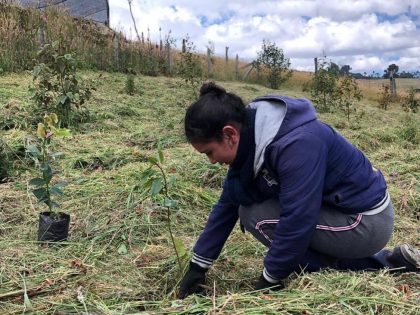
x=405, y=258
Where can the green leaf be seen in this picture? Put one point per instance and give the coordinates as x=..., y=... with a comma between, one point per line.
x=147, y=174
x=56, y=191
x=153, y=160
x=60, y=185
x=171, y=181
x=37, y=182
x=46, y=172
x=33, y=150
x=157, y=186
x=161, y=157
x=122, y=249
x=62, y=99
x=40, y=194
x=54, y=204
x=169, y=203
x=26, y=301
x=55, y=154
x=147, y=185
x=180, y=248
x=62, y=132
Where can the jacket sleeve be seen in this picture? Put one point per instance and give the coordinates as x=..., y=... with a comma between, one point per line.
x=219, y=225
x=300, y=166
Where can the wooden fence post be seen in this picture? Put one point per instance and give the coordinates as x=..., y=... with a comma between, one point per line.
x=392, y=84
x=41, y=33
x=168, y=58
x=116, y=47
x=258, y=72
x=184, y=48
x=209, y=63
x=247, y=72
x=316, y=64
x=237, y=67
x=226, y=55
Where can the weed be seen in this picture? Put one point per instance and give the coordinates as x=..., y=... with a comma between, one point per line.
x=4, y=162
x=409, y=130
x=129, y=85
x=410, y=103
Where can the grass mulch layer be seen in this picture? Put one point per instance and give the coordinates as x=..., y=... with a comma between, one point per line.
x=119, y=258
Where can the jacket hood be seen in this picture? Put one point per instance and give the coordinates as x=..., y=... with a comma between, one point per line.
x=275, y=117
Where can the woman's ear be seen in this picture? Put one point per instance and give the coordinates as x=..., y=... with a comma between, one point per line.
x=232, y=134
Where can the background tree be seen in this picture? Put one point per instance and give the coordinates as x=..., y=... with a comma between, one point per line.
x=345, y=70
x=407, y=75
x=273, y=60
x=392, y=68
x=334, y=69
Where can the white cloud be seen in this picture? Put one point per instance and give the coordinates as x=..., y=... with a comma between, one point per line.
x=367, y=34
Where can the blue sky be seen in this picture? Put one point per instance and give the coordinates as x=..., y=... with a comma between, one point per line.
x=366, y=34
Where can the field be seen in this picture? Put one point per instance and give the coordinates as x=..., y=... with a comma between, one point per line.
x=119, y=258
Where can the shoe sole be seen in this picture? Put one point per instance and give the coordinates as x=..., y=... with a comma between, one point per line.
x=411, y=254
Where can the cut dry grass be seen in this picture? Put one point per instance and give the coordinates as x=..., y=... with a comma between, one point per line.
x=119, y=258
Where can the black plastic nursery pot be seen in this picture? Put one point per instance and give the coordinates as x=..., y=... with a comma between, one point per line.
x=53, y=227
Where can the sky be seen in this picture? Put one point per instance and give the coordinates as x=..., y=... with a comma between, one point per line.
x=368, y=35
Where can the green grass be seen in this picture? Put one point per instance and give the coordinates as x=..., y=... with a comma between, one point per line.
x=119, y=259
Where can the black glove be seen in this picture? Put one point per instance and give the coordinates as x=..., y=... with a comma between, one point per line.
x=262, y=283
x=193, y=278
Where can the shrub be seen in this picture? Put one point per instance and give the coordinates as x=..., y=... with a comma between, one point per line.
x=188, y=67
x=347, y=94
x=323, y=89
x=410, y=103
x=57, y=87
x=273, y=60
x=129, y=85
x=385, y=97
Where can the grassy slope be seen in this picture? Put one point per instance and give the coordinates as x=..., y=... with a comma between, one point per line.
x=119, y=258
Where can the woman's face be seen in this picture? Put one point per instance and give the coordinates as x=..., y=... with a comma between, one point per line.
x=224, y=151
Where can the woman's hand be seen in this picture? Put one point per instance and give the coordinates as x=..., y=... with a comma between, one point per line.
x=192, y=281
x=263, y=284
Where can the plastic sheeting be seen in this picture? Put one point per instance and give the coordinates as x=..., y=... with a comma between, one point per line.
x=95, y=10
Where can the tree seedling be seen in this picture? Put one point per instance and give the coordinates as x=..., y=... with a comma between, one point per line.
x=156, y=182
x=43, y=154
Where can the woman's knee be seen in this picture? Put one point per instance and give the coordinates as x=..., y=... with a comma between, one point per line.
x=267, y=210
x=261, y=219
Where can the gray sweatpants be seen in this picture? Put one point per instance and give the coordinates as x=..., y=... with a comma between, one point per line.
x=337, y=234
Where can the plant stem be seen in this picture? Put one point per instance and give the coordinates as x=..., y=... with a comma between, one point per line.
x=168, y=215
x=44, y=161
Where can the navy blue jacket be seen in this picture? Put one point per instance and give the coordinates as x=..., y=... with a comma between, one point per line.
x=311, y=165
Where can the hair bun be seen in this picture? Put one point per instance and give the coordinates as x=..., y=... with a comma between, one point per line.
x=211, y=87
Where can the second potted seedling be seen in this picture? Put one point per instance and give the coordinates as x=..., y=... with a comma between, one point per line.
x=53, y=224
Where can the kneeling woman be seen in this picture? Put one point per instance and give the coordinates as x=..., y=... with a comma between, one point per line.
x=296, y=185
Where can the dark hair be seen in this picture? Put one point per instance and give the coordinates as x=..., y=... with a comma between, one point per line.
x=215, y=108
